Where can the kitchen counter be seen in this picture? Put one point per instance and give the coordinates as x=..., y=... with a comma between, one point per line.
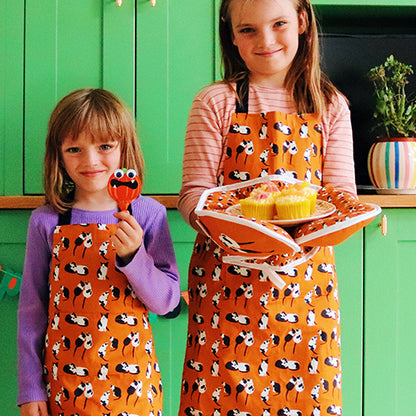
x=31, y=202
x=170, y=201
x=390, y=201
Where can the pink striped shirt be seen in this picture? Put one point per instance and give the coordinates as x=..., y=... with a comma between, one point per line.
x=209, y=122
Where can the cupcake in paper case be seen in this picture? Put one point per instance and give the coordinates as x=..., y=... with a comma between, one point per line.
x=311, y=195
x=303, y=189
x=292, y=207
x=259, y=205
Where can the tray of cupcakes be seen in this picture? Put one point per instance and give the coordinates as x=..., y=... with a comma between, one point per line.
x=292, y=205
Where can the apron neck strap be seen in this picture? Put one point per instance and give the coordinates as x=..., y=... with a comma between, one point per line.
x=65, y=218
x=241, y=106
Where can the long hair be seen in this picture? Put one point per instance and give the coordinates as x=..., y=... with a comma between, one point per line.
x=105, y=118
x=309, y=86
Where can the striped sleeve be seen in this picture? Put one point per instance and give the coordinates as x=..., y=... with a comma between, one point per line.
x=338, y=162
x=208, y=124
x=204, y=140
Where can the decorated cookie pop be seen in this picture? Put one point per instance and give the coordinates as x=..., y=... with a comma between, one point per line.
x=124, y=186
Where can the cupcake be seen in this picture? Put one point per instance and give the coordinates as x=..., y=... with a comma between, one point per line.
x=302, y=189
x=291, y=207
x=310, y=193
x=259, y=205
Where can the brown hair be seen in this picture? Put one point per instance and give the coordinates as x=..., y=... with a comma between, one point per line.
x=310, y=87
x=104, y=117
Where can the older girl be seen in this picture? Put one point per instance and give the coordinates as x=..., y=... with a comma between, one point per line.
x=254, y=349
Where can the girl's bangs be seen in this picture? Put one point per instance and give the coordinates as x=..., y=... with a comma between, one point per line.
x=101, y=127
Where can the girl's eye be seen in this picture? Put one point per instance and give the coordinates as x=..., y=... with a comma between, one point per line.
x=72, y=150
x=279, y=23
x=108, y=146
x=247, y=30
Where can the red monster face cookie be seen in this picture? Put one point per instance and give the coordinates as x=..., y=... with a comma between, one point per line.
x=124, y=186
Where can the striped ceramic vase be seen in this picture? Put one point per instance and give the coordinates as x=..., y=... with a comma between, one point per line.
x=392, y=163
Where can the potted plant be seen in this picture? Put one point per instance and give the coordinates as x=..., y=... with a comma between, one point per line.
x=392, y=158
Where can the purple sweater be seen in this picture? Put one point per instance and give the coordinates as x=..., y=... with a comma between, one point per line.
x=155, y=259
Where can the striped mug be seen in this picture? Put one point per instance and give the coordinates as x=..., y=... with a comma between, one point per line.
x=392, y=163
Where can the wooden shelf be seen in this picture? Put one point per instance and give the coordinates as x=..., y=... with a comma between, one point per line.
x=390, y=201
x=170, y=201
x=32, y=202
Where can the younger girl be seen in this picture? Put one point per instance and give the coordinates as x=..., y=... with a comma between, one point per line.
x=92, y=273
x=254, y=349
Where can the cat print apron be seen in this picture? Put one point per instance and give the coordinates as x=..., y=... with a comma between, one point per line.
x=254, y=349
x=99, y=353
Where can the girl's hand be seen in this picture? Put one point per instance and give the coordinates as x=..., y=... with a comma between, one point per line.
x=34, y=409
x=128, y=236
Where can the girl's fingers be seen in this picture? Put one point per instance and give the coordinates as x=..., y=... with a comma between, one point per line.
x=126, y=216
x=128, y=237
x=124, y=231
x=128, y=231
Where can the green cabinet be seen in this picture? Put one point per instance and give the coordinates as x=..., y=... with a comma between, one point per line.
x=377, y=278
x=390, y=316
x=377, y=284
x=141, y=53
x=52, y=49
x=11, y=91
x=349, y=258
x=174, y=61
x=71, y=45
x=154, y=58
x=170, y=334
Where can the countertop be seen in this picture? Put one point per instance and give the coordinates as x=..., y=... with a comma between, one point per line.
x=390, y=201
x=384, y=201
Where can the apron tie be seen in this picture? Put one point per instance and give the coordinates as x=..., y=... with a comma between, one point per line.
x=268, y=270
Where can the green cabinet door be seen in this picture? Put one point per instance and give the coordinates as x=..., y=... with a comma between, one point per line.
x=349, y=267
x=70, y=45
x=174, y=61
x=13, y=229
x=390, y=315
x=171, y=334
x=11, y=92
x=155, y=58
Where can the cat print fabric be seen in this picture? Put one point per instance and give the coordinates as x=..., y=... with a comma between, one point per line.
x=99, y=353
x=254, y=349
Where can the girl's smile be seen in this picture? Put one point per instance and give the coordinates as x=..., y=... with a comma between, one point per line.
x=266, y=33
x=89, y=164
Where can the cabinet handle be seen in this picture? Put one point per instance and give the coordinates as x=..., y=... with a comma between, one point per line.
x=120, y=3
x=383, y=225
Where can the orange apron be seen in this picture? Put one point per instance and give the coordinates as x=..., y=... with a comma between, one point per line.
x=254, y=349
x=99, y=354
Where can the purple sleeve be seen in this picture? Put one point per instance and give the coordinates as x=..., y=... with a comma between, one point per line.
x=153, y=272
x=33, y=311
